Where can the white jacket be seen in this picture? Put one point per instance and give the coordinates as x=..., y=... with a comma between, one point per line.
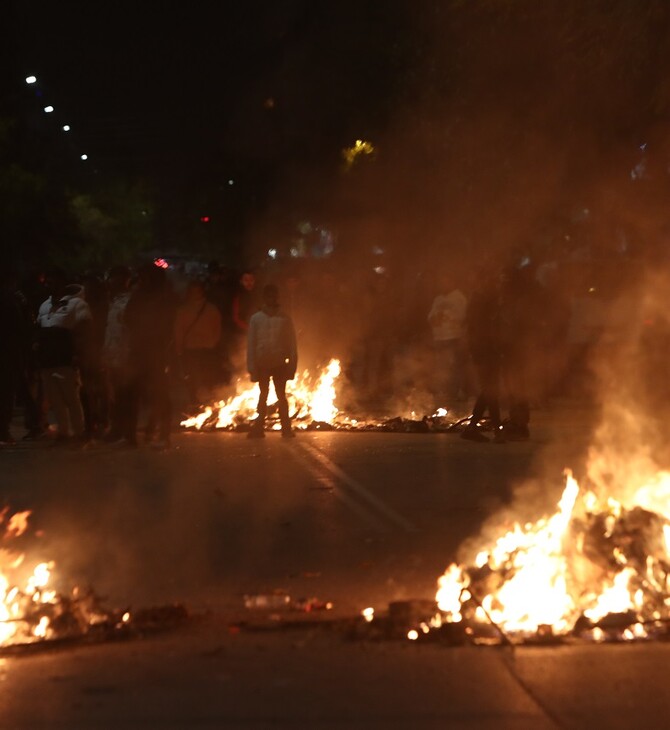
x=271, y=344
x=447, y=316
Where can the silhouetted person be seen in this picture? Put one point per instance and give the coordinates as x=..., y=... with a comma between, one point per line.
x=93, y=387
x=245, y=303
x=197, y=335
x=12, y=351
x=447, y=322
x=149, y=318
x=115, y=355
x=271, y=353
x=483, y=324
x=524, y=308
x=378, y=339
x=31, y=390
x=221, y=287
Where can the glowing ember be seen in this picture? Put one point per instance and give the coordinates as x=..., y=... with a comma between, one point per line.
x=595, y=560
x=368, y=614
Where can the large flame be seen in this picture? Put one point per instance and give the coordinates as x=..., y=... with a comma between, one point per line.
x=593, y=558
x=25, y=603
x=310, y=399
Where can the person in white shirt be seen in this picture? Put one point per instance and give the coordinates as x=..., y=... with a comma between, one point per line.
x=62, y=320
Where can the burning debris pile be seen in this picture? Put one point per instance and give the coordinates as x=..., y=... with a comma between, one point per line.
x=33, y=613
x=596, y=569
x=312, y=407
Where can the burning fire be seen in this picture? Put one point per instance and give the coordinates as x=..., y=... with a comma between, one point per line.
x=309, y=401
x=25, y=612
x=30, y=609
x=312, y=400
x=595, y=564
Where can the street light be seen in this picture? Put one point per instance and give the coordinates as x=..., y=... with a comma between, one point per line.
x=31, y=79
x=84, y=157
x=66, y=127
x=48, y=109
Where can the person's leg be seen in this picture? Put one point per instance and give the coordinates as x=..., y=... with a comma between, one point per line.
x=519, y=405
x=115, y=431
x=8, y=387
x=70, y=388
x=163, y=406
x=51, y=381
x=259, y=424
x=282, y=403
x=488, y=373
x=34, y=403
x=189, y=361
x=131, y=396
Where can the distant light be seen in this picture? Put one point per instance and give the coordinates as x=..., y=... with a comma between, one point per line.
x=161, y=263
x=380, y=270
x=204, y=219
x=231, y=182
x=294, y=252
x=272, y=253
x=84, y=157
x=359, y=148
x=412, y=634
x=31, y=79
x=377, y=251
x=66, y=127
x=48, y=109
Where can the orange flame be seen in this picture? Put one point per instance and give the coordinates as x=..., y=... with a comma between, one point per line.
x=309, y=400
x=536, y=570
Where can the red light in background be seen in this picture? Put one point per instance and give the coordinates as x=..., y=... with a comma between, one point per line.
x=204, y=219
x=161, y=263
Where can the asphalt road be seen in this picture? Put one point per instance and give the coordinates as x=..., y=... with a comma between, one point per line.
x=356, y=519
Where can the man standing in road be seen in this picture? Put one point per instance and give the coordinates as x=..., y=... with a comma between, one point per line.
x=271, y=353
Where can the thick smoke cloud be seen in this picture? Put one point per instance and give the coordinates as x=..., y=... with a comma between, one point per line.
x=508, y=130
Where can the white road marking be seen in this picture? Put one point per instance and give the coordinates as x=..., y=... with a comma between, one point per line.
x=326, y=480
x=373, y=503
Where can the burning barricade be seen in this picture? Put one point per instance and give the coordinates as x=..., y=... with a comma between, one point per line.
x=312, y=405
x=597, y=569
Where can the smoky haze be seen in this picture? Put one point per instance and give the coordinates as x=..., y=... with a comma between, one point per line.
x=511, y=130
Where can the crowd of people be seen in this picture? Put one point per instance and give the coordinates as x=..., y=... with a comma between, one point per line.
x=97, y=357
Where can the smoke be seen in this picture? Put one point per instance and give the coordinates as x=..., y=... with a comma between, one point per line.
x=630, y=445
x=502, y=131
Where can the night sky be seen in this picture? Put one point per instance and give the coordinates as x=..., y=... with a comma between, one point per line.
x=191, y=96
x=490, y=118
x=211, y=83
